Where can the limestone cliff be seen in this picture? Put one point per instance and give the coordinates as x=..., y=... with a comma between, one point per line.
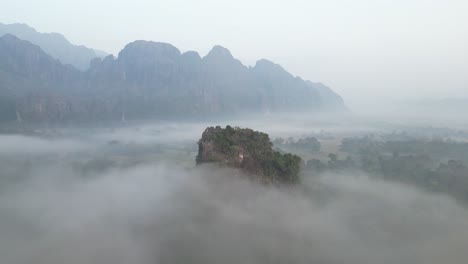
x=148, y=80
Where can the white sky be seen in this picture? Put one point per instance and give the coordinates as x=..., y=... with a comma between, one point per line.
x=369, y=51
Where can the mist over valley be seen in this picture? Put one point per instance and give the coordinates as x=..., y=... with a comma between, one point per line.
x=158, y=154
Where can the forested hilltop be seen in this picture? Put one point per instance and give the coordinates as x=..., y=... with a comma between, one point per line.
x=148, y=80
x=250, y=151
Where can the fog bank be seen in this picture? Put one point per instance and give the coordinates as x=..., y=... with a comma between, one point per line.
x=162, y=214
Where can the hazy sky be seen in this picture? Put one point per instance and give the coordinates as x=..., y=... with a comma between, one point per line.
x=367, y=50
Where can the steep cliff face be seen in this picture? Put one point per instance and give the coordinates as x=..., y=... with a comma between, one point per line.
x=148, y=80
x=65, y=109
x=215, y=84
x=248, y=150
x=28, y=61
x=34, y=87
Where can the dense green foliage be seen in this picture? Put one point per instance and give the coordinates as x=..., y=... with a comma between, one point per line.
x=283, y=167
x=434, y=165
x=250, y=150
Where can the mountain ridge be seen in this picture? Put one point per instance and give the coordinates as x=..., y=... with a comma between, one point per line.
x=151, y=80
x=54, y=44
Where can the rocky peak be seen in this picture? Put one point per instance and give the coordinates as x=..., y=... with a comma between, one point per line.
x=219, y=53
x=28, y=60
x=149, y=51
x=54, y=44
x=223, y=65
x=146, y=62
x=191, y=57
x=269, y=68
x=8, y=38
x=267, y=64
x=19, y=28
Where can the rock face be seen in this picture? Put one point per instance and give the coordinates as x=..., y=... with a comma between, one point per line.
x=54, y=44
x=28, y=61
x=149, y=80
x=36, y=87
x=250, y=151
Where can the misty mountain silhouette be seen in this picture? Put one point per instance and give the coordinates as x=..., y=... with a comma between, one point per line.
x=54, y=44
x=148, y=80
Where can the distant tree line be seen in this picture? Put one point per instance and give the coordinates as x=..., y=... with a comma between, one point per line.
x=307, y=143
x=438, y=166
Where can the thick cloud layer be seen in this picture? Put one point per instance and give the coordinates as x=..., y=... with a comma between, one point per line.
x=161, y=214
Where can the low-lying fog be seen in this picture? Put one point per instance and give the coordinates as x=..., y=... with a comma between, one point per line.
x=134, y=195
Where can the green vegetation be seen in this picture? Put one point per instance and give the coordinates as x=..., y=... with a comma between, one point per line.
x=283, y=167
x=249, y=150
x=434, y=165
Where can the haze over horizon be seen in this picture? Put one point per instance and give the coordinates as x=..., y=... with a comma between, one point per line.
x=233, y=132
x=370, y=52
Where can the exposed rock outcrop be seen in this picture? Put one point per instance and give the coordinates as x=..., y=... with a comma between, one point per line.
x=250, y=151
